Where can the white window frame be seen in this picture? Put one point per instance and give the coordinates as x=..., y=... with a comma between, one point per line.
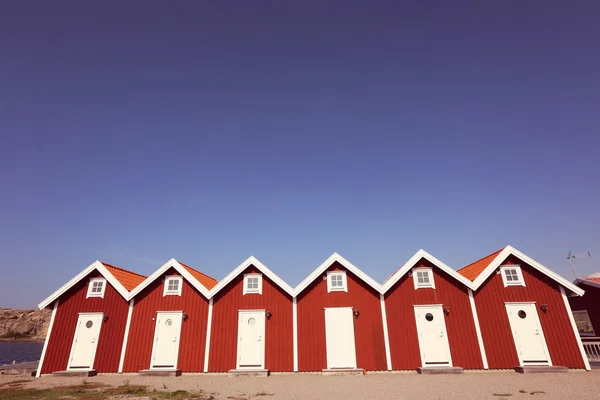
x=331, y=288
x=91, y=285
x=520, y=282
x=166, y=291
x=253, y=290
x=430, y=284
x=583, y=334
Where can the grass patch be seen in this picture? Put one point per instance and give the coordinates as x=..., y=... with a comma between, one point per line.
x=90, y=392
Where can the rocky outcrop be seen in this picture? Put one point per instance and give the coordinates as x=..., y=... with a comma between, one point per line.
x=23, y=324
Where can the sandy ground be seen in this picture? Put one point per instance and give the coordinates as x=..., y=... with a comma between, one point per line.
x=470, y=385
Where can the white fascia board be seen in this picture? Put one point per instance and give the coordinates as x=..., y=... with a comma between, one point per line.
x=172, y=263
x=414, y=260
x=508, y=251
x=346, y=264
x=242, y=267
x=96, y=265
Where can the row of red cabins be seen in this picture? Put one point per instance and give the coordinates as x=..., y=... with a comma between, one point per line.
x=500, y=312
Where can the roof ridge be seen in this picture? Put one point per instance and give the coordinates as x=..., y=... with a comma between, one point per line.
x=476, y=261
x=123, y=269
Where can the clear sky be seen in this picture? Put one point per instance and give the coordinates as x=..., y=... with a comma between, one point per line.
x=133, y=132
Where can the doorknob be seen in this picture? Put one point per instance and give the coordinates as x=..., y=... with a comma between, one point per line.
x=259, y=338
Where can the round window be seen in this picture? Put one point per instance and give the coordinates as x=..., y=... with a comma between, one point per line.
x=429, y=317
x=522, y=314
x=89, y=324
x=251, y=321
x=169, y=322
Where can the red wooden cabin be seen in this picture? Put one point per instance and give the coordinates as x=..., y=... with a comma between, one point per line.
x=88, y=321
x=524, y=312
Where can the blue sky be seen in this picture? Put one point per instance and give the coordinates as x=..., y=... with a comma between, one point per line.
x=212, y=131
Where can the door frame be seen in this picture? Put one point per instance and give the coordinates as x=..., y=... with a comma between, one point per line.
x=264, y=341
x=154, y=340
x=95, y=345
x=539, y=322
x=353, y=335
x=441, y=307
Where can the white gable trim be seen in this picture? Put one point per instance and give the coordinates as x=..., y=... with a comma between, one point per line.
x=346, y=264
x=96, y=265
x=414, y=260
x=261, y=267
x=172, y=263
x=586, y=282
x=508, y=251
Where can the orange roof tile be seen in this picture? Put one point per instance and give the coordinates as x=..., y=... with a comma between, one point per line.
x=204, y=279
x=472, y=271
x=127, y=278
x=592, y=279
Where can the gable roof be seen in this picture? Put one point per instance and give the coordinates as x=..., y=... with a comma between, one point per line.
x=204, y=279
x=242, y=267
x=128, y=279
x=422, y=254
x=121, y=279
x=195, y=278
x=590, y=281
x=480, y=270
x=335, y=257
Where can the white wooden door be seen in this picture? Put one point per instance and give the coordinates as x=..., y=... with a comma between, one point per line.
x=85, y=341
x=528, y=334
x=433, y=338
x=251, y=339
x=339, y=338
x=165, y=350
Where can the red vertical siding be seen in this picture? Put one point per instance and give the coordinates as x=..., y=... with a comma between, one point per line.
x=368, y=327
x=279, y=350
x=590, y=302
x=73, y=302
x=193, y=331
x=402, y=329
x=495, y=327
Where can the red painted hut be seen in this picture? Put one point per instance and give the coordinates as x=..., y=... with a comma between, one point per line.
x=524, y=312
x=431, y=320
x=251, y=322
x=167, y=331
x=339, y=319
x=89, y=318
x=586, y=311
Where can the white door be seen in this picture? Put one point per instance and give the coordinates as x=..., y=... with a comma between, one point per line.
x=528, y=334
x=85, y=341
x=433, y=338
x=251, y=339
x=339, y=338
x=166, y=340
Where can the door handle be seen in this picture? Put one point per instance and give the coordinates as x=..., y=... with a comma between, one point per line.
x=175, y=339
x=259, y=338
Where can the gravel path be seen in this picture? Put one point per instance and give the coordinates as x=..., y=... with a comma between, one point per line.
x=470, y=385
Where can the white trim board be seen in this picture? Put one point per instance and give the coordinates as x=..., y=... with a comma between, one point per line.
x=258, y=265
x=208, y=333
x=422, y=254
x=386, y=337
x=126, y=335
x=172, y=263
x=295, y=331
x=478, y=330
x=508, y=251
x=335, y=257
x=41, y=363
x=96, y=265
x=586, y=362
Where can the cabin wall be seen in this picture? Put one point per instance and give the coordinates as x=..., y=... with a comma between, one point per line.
x=590, y=302
x=368, y=327
x=402, y=329
x=495, y=327
x=73, y=302
x=143, y=322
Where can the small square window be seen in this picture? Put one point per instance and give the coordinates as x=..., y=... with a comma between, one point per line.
x=252, y=284
x=173, y=286
x=96, y=287
x=423, y=278
x=336, y=281
x=512, y=275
